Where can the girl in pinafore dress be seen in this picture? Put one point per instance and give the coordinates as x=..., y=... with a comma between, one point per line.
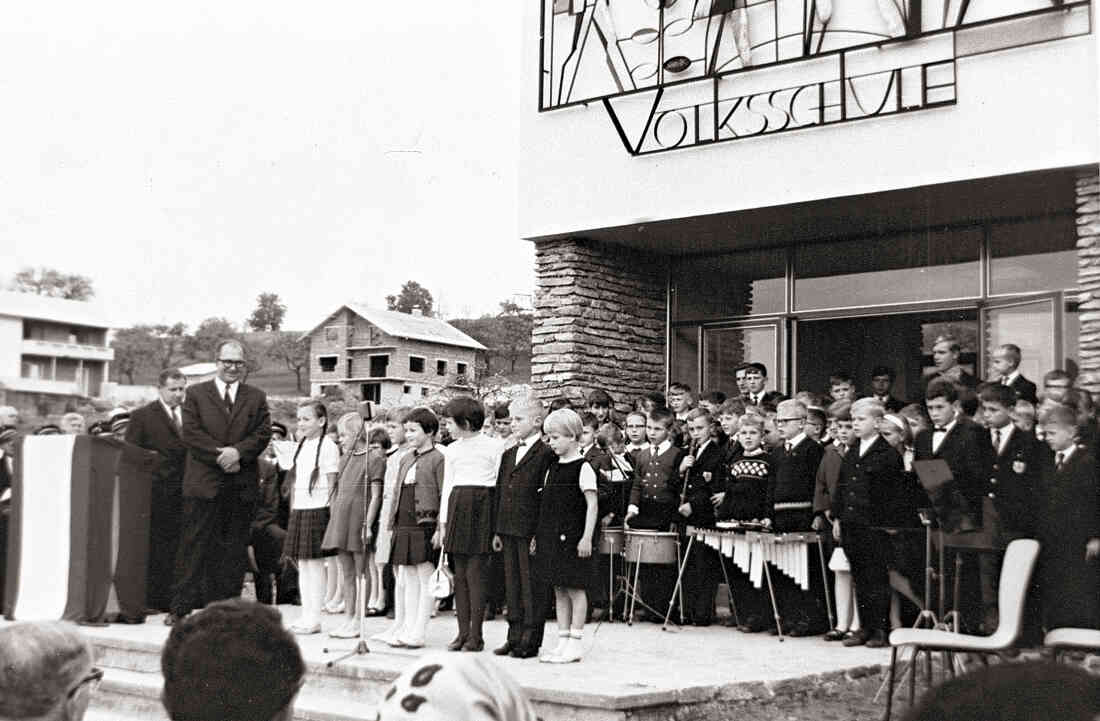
x=413, y=520
x=563, y=539
x=314, y=467
x=354, y=509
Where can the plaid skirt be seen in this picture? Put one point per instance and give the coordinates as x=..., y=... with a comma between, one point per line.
x=304, y=532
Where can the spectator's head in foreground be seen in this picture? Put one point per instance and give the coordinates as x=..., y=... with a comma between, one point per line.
x=232, y=661
x=46, y=672
x=465, y=686
x=1033, y=691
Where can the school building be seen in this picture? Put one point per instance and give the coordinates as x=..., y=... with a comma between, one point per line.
x=813, y=185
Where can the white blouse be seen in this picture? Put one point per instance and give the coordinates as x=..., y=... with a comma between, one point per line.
x=472, y=461
x=329, y=462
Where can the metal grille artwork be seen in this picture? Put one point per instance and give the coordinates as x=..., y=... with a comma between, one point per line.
x=674, y=74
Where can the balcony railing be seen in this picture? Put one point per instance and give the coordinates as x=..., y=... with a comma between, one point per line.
x=58, y=349
x=39, y=385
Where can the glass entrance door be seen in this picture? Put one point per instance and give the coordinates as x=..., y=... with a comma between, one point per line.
x=727, y=347
x=1032, y=325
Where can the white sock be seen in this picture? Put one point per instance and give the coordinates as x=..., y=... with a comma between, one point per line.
x=424, y=605
x=398, y=605
x=311, y=583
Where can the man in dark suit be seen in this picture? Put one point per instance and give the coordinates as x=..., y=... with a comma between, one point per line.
x=756, y=380
x=1006, y=364
x=522, y=472
x=158, y=427
x=960, y=443
x=945, y=356
x=226, y=426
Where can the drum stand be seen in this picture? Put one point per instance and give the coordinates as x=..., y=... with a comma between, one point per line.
x=632, y=589
x=679, y=589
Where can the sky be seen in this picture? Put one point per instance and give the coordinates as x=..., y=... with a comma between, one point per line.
x=189, y=156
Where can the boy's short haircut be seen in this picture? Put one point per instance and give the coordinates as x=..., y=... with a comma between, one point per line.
x=751, y=420
x=679, y=387
x=883, y=371
x=715, y=397
x=1024, y=407
x=657, y=398
x=1060, y=415
x=951, y=341
x=732, y=407
x=609, y=435
x=1056, y=375
x=839, y=377
x=589, y=420
x=468, y=414
x=424, y=418
x=941, y=388
x=758, y=367
x=1012, y=353
x=816, y=415
x=233, y=660
x=663, y=416
x=560, y=403
x=695, y=413
x=379, y=436
x=564, y=422
x=840, y=411
x=772, y=405
x=997, y=393
x=396, y=415
x=500, y=412
x=599, y=399
x=870, y=406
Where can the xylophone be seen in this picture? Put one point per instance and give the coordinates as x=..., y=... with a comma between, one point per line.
x=755, y=551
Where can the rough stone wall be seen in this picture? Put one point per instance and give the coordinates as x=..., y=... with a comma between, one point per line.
x=600, y=315
x=1088, y=277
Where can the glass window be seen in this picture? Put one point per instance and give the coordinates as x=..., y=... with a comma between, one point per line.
x=726, y=348
x=328, y=363
x=722, y=286
x=1028, y=325
x=1033, y=255
x=416, y=364
x=441, y=367
x=685, y=355
x=922, y=266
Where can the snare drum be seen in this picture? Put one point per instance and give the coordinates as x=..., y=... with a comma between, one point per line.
x=611, y=541
x=655, y=547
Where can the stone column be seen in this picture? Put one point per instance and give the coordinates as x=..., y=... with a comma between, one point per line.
x=600, y=314
x=1088, y=277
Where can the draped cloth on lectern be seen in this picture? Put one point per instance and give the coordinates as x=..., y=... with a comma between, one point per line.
x=79, y=521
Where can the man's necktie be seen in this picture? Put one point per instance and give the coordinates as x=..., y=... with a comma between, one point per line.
x=228, y=401
x=996, y=440
x=1059, y=459
x=1004, y=381
x=176, y=418
x=788, y=446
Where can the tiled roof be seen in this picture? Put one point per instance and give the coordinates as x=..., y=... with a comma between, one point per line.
x=413, y=327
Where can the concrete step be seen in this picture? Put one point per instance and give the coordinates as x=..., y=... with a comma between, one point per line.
x=133, y=696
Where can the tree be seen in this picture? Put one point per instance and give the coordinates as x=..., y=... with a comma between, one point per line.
x=412, y=295
x=53, y=283
x=268, y=314
x=212, y=331
x=293, y=350
x=135, y=349
x=506, y=336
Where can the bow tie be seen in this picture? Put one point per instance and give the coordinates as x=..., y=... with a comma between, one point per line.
x=941, y=429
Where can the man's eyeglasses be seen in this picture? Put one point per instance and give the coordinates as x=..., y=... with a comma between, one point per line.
x=232, y=363
x=92, y=680
x=788, y=420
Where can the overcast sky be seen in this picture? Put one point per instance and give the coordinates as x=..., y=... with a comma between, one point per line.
x=188, y=156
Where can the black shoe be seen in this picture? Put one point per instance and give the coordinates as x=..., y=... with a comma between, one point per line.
x=473, y=647
x=877, y=640
x=835, y=635
x=855, y=638
x=522, y=651
x=505, y=650
x=457, y=644
x=123, y=618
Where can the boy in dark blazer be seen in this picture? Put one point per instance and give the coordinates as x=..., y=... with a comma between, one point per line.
x=157, y=427
x=269, y=531
x=523, y=469
x=226, y=426
x=871, y=475
x=790, y=504
x=1006, y=364
x=704, y=477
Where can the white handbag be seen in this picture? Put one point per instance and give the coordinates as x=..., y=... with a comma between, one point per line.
x=441, y=583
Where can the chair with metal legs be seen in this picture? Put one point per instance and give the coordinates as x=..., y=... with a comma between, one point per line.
x=1072, y=639
x=1019, y=562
